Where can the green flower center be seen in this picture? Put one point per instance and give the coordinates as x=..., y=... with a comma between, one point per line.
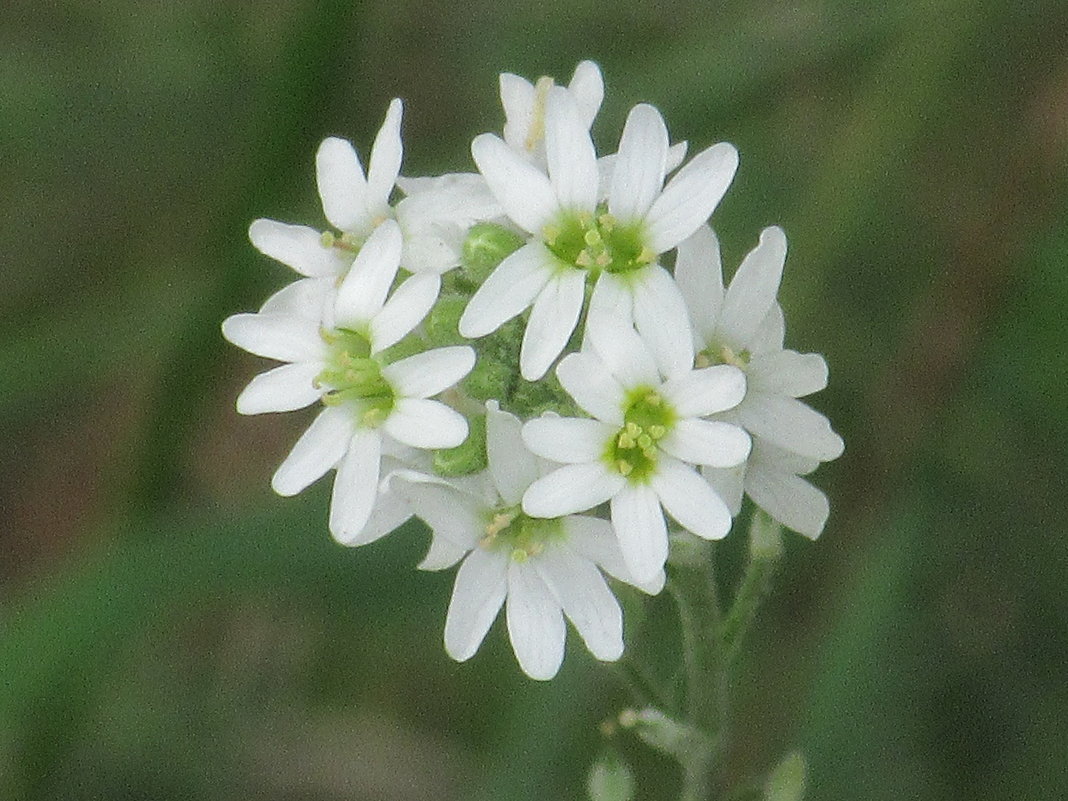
x=522, y=536
x=634, y=451
x=596, y=242
x=353, y=375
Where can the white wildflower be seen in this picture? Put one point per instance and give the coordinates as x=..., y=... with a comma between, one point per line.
x=541, y=569
x=373, y=405
x=742, y=325
x=640, y=450
x=573, y=234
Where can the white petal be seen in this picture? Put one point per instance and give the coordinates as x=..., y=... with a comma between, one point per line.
x=384, y=165
x=641, y=162
x=728, y=483
x=787, y=372
x=691, y=196
x=391, y=510
x=364, y=289
x=689, y=499
x=588, y=381
x=790, y=424
x=404, y=310
x=572, y=488
x=699, y=274
x=552, y=321
x=430, y=372
x=752, y=291
x=642, y=532
x=662, y=320
x=282, y=389
x=568, y=439
x=705, y=391
x=772, y=457
x=356, y=487
x=296, y=246
x=450, y=512
x=587, y=86
x=595, y=539
x=569, y=152
x=791, y=500
x=623, y=352
x=342, y=187
x=285, y=337
x=477, y=595
x=426, y=424
x=676, y=155
x=508, y=290
x=441, y=554
x=535, y=623
x=307, y=298
x=707, y=442
x=612, y=304
x=318, y=449
x=522, y=189
x=517, y=99
x=772, y=331
x=512, y=466
x=581, y=591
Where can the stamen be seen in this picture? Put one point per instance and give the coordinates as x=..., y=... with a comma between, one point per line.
x=327, y=238
x=537, y=114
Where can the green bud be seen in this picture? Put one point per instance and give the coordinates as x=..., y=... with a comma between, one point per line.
x=668, y=736
x=486, y=246
x=441, y=325
x=610, y=779
x=765, y=536
x=467, y=457
x=787, y=781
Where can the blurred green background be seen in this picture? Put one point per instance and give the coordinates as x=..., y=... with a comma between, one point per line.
x=169, y=629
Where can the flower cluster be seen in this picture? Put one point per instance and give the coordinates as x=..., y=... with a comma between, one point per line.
x=539, y=360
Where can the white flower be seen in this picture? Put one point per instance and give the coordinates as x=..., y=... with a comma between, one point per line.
x=373, y=406
x=541, y=569
x=573, y=234
x=524, y=107
x=743, y=325
x=639, y=451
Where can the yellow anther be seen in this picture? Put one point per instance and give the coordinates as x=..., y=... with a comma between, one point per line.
x=326, y=239
x=656, y=432
x=500, y=522
x=645, y=256
x=624, y=467
x=649, y=453
x=486, y=542
x=584, y=259
x=603, y=260
x=653, y=399
x=702, y=360
x=607, y=221
x=634, y=429
x=645, y=442
x=373, y=417
x=519, y=555
x=592, y=237
x=625, y=440
x=585, y=218
x=550, y=233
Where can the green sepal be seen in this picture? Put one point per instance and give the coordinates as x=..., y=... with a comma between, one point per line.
x=486, y=246
x=467, y=457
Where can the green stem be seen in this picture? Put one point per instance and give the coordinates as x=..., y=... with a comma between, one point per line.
x=765, y=552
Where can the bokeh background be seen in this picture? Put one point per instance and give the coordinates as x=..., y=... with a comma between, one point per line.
x=169, y=629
